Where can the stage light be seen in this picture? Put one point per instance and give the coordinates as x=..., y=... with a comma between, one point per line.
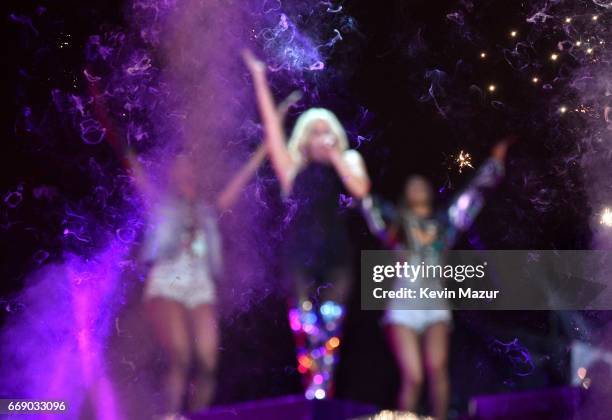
x=305, y=361
x=332, y=343
x=535, y=79
x=563, y=109
x=606, y=217
x=492, y=88
x=554, y=57
x=513, y=34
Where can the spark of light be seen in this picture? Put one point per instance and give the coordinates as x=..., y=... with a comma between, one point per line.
x=585, y=109
x=463, y=160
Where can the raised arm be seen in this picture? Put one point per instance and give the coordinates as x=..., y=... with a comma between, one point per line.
x=141, y=180
x=230, y=193
x=468, y=204
x=128, y=158
x=283, y=163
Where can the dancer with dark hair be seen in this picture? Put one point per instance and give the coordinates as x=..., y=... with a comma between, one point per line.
x=419, y=339
x=314, y=168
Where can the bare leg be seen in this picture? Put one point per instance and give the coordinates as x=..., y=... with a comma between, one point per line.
x=171, y=328
x=435, y=349
x=206, y=337
x=404, y=343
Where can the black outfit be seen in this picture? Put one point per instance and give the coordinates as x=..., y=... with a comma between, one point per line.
x=317, y=240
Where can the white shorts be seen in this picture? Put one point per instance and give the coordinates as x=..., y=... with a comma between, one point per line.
x=417, y=320
x=185, y=279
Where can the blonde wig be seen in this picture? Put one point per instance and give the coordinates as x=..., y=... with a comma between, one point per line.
x=301, y=132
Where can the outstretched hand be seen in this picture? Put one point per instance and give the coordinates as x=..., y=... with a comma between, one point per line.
x=254, y=64
x=500, y=150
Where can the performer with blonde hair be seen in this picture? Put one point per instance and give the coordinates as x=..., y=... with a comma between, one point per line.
x=315, y=168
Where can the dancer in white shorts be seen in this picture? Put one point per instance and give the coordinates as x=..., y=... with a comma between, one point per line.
x=185, y=249
x=420, y=338
x=182, y=250
x=183, y=253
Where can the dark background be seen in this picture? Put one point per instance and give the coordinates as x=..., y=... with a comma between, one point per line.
x=389, y=55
